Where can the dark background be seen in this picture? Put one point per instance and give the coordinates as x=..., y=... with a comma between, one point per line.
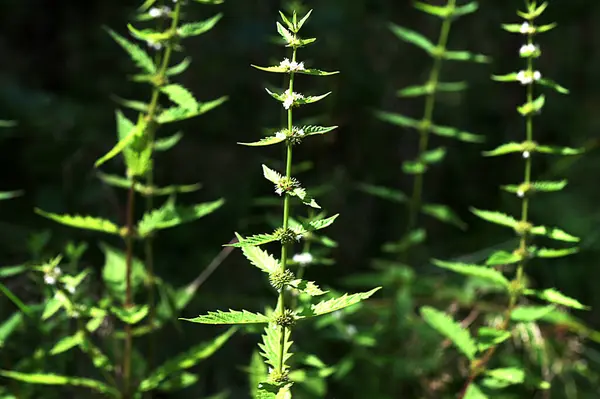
x=59, y=69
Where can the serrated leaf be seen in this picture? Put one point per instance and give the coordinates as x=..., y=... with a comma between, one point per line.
x=321, y=223
x=384, y=192
x=271, y=175
x=307, y=287
x=477, y=271
x=510, y=375
x=544, y=186
x=554, y=233
x=413, y=37
x=198, y=28
x=530, y=313
x=149, y=35
x=139, y=56
x=258, y=239
x=153, y=191
x=82, y=222
x=556, y=297
x=334, y=304
x=273, y=339
x=185, y=360
x=499, y=258
x=445, y=325
x=180, y=96
x=175, y=114
x=259, y=258
x=136, y=133
x=444, y=214
x=503, y=149
x=495, y=217
x=265, y=141
x=230, y=317
x=170, y=215
x=55, y=379
x=114, y=272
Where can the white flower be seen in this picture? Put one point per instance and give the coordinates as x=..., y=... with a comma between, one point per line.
x=300, y=132
x=49, y=279
x=351, y=330
x=154, y=45
x=529, y=50
x=526, y=28
x=520, y=193
x=290, y=98
x=304, y=258
x=281, y=135
x=155, y=12
x=527, y=77
x=526, y=154
x=70, y=289
x=291, y=65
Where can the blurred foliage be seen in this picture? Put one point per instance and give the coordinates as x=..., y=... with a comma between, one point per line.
x=59, y=70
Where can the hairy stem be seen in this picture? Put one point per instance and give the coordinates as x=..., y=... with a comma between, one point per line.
x=286, y=217
x=517, y=282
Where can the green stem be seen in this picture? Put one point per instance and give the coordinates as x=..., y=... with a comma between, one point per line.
x=427, y=121
x=127, y=352
x=517, y=283
x=286, y=217
x=163, y=63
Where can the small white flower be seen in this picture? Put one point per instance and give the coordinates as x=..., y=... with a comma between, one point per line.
x=520, y=193
x=57, y=271
x=290, y=98
x=527, y=77
x=291, y=65
x=49, y=279
x=526, y=154
x=154, y=45
x=281, y=135
x=288, y=103
x=528, y=50
x=285, y=63
x=526, y=28
x=537, y=75
x=155, y=12
x=300, y=132
x=351, y=330
x=304, y=258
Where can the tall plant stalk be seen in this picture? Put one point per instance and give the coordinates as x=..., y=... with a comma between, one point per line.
x=276, y=345
x=480, y=349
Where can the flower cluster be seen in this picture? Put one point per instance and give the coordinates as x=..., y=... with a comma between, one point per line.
x=52, y=275
x=291, y=66
x=290, y=98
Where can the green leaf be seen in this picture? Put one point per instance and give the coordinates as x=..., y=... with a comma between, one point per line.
x=495, y=217
x=257, y=372
x=185, y=360
x=179, y=68
x=510, y=375
x=170, y=215
x=265, y=141
x=412, y=238
x=422, y=90
x=477, y=271
x=306, y=71
x=321, y=223
x=139, y=56
x=383, y=192
x=553, y=85
x=175, y=114
x=4, y=123
x=466, y=56
x=334, y=304
x=254, y=240
x=10, y=271
x=273, y=340
x=451, y=132
x=198, y=28
x=474, y=392
x=488, y=337
x=82, y=222
x=4, y=195
x=149, y=191
x=530, y=313
x=54, y=379
x=544, y=186
x=180, y=96
x=559, y=150
x=285, y=34
x=444, y=214
x=445, y=325
x=259, y=258
x=130, y=315
x=556, y=297
x=303, y=20
x=230, y=317
x=99, y=359
x=307, y=287
x=504, y=149
x=114, y=272
x=554, y=233
x=66, y=343
x=553, y=253
x=136, y=133
x=413, y=37
x=532, y=107
x=397, y=119
x=181, y=381
x=499, y=258
x=9, y=326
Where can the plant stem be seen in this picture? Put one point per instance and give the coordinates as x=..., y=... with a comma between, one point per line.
x=517, y=282
x=286, y=217
x=127, y=352
x=427, y=121
x=163, y=63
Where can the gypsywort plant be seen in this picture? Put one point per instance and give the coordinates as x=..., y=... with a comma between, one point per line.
x=479, y=348
x=123, y=274
x=403, y=250
x=276, y=347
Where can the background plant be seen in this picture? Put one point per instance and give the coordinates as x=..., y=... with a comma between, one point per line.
x=123, y=274
x=276, y=347
x=480, y=348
